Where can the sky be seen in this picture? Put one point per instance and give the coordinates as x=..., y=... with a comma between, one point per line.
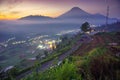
x=14, y=9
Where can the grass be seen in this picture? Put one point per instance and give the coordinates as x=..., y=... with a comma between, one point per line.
x=54, y=55
x=66, y=71
x=96, y=64
x=99, y=64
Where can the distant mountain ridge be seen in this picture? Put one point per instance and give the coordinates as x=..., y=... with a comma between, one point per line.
x=36, y=17
x=74, y=14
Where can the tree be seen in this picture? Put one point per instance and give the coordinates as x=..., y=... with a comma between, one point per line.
x=46, y=53
x=12, y=73
x=85, y=27
x=0, y=68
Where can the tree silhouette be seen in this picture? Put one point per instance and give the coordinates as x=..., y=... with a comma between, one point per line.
x=85, y=27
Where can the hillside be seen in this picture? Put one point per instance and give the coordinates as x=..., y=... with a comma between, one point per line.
x=78, y=51
x=98, y=59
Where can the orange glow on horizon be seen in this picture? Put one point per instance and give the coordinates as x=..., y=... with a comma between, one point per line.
x=15, y=16
x=9, y=17
x=26, y=9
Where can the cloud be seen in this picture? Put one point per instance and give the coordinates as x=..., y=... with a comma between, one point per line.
x=2, y=16
x=15, y=12
x=10, y=4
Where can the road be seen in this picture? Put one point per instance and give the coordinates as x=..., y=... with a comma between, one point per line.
x=61, y=57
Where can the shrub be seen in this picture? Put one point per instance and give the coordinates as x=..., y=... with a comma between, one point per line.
x=66, y=71
x=99, y=64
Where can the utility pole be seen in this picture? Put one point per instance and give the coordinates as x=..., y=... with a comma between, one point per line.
x=107, y=16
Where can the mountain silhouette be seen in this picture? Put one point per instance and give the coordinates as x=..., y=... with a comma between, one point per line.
x=74, y=15
x=36, y=17
x=75, y=12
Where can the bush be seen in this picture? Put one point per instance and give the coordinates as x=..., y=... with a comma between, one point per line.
x=99, y=64
x=66, y=71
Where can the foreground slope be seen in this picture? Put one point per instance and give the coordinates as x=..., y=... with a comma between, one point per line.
x=98, y=59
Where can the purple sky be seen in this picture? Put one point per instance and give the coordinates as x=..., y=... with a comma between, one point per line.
x=54, y=8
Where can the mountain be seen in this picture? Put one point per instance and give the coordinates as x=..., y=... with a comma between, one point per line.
x=75, y=12
x=74, y=15
x=78, y=15
x=35, y=17
x=98, y=15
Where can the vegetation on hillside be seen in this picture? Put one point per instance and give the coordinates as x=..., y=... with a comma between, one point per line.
x=66, y=44
x=98, y=63
x=66, y=71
